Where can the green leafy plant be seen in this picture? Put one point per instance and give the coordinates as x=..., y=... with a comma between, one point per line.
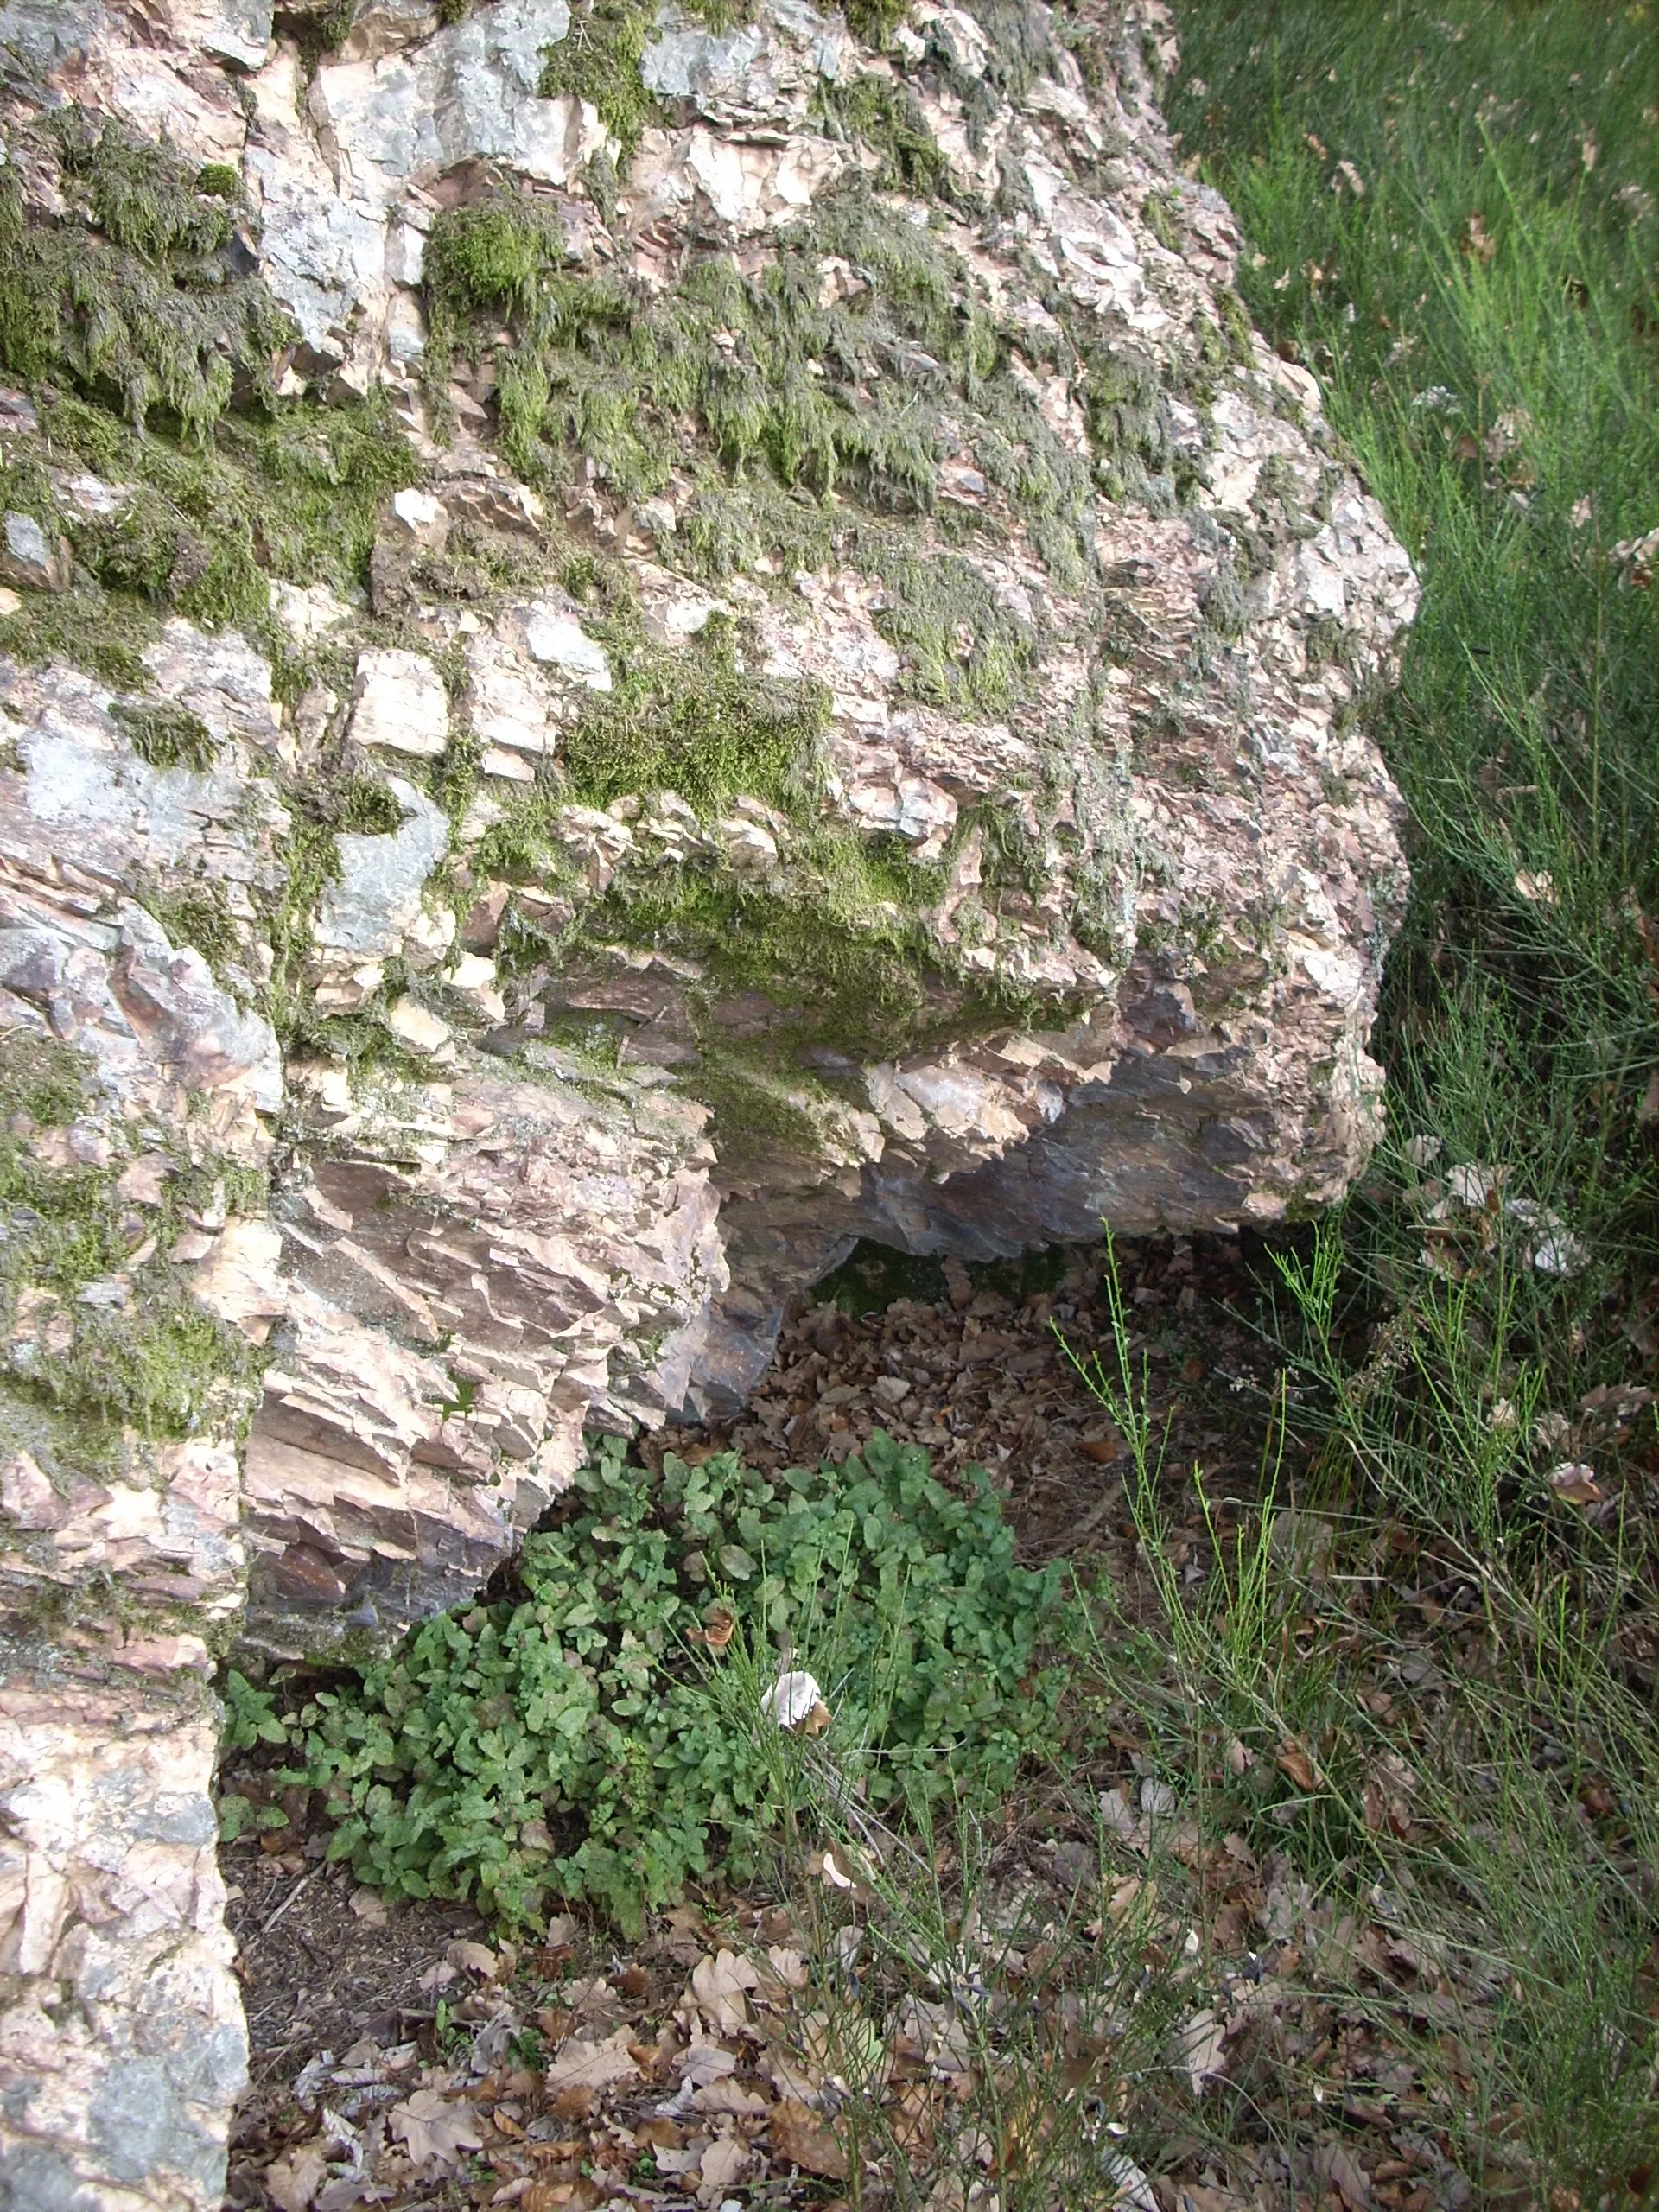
x=580, y=1738
x=250, y=1714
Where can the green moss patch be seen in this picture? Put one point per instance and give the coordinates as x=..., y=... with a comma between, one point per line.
x=138, y=1353
x=884, y=116
x=598, y=59
x=699, y=723
x=166, y=735
x=770, y=379
x=965, y=649
x=143, y=293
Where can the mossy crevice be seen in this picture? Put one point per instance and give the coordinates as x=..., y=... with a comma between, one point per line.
x=884, y=116
x=145, y=292
x=138, y=1354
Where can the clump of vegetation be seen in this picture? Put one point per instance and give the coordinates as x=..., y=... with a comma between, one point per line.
x=885, y=116
x=874, y=22
x=166, y=735
x=965, y=648
x=358, y=805
x=598, y=59
x=144, y=295
x=196, y=914
x=699, y=723
x=572, y=1740
x=1450, y=214
x=862, y=394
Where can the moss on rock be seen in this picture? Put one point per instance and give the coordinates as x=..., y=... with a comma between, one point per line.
x=99, y=1328
x=775, y=375
x=145, y=292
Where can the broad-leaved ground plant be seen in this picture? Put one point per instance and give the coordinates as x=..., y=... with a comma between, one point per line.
x=575, y=1740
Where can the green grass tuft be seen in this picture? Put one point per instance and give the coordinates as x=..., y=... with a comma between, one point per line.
x=1450, y=214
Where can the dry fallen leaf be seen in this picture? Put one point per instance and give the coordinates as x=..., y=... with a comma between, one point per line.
x=1340, y=2170
x=1575, y=1483
x=718, y=1983
x=1197, y=2049
x=791, y=1700
x=703, y=2062
x=1385, y=1812
x=1132, y=2189
x=592, y=2065
x=717, y=1628
x=1294, y=1761
x=722, y=2163
x=673, y=2163
x=729, y=2096
x=430, y=2128
x=476, y=1958
x=836, y=1869
x=578, y=2196
x=1126, y=1894
x=799, y=2139
x=292, y=2181
x=370, y=1906
x=789, y=1966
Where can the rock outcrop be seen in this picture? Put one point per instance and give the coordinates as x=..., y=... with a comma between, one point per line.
x=630, y=649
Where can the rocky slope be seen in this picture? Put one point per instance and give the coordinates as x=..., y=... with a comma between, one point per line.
x=632, y=647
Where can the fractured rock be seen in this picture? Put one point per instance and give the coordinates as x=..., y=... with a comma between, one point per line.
x=399, y=703
x=29, y=557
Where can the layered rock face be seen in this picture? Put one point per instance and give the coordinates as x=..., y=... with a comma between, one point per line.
x=632, y=648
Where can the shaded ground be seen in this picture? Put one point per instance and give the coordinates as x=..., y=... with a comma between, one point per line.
x=316, y=1975
x=966, y=1363
x=972, y=1362
x=1189, y=1969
